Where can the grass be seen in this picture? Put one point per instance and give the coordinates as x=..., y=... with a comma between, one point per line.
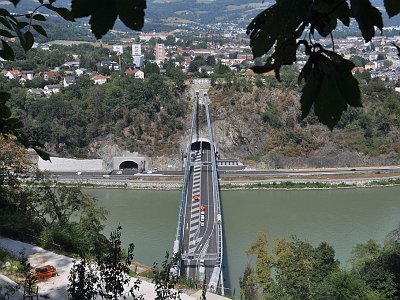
x=287, y=185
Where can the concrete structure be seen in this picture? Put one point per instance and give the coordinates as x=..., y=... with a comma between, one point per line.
x=58, y=164
x=129, y=160
x=160, y=53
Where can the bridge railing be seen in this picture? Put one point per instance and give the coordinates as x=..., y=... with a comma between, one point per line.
x=182, y=206
x=218, y=265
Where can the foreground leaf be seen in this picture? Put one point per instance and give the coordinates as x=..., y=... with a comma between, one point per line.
x=392, y=7
x=330, y=87
x=367, y=17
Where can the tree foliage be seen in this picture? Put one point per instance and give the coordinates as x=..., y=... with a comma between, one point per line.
x=166, y=277
x=294, y=269
x=329, y=85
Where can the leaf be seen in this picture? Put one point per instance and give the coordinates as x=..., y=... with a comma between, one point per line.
x=323, y=23
x=347, y=84
x=392, y=7
x=15, y=2
x=22, y=139
x=5, y=112
x=131, y=13
x=82, y=8
x=4, y=97
x=39, y=17
x=330, y=87
x=103, y=19
x=275, y=24
x=4, y=12
x=343, y=13
x=310, y=91
x=61, y=11
x=5, y=22
x=329, y=103
x=7, y=52
x=15, y=123
x=39, y=29
x=6, y=33
x=43, y=154
x=22, y=24
x=28, y=41
x=367, y=16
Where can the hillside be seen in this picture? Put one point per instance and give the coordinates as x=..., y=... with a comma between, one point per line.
x=262, y=127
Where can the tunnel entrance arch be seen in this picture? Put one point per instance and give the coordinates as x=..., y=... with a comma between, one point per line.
x=128, y=165
x=204, y=145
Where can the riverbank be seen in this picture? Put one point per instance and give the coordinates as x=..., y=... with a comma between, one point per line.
x=292, y=181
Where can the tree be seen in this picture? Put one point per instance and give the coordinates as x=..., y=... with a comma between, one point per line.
x=166, y=278
x=114, y=268
x=293, y=270
x=343, y=285
x=107, y=276
x=248, y=284
x=329, y=85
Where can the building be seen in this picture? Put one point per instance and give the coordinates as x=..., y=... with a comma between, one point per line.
x=138, y=60
x=119, y=49
x=160, y=53
x=69, y=80
x=136, y=50
x=111, y=65
x=148, y=36
x=99, y=79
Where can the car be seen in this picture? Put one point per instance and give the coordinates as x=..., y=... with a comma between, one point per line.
x=149, y=172
x=78, y=173
x=43, y=272
x=202, y=217
x=201, y=224
x=202, y=207
x=119, y=172
x=196, y=197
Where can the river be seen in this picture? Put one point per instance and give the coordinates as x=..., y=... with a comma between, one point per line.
x=342, y=217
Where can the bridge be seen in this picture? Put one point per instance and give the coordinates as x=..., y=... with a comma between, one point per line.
x=199, y=238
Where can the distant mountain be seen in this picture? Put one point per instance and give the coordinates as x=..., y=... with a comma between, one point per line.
x=175, y=12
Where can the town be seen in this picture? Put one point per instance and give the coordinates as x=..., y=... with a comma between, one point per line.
x=213, y=52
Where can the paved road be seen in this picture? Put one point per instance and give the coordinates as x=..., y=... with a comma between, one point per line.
x=200, y=238
x=127, y=175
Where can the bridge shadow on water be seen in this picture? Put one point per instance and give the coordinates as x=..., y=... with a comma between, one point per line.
x=227, y=280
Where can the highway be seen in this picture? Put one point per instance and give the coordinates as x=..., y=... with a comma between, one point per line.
x=128, y=175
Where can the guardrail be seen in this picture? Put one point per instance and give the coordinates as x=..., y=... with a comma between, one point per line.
x=212, y=286
x=182, y=206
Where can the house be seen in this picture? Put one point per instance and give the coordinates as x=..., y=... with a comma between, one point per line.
x=69, y=80
x=36, y=92
x=50, y=75
x=370, y=65
x=206, y=69
x=51, y=89
x=111, y=65
x=71, y=65
x=12, y=74
x=135, y=72
x=80, y=72
x=99, y=79
x=139, y=74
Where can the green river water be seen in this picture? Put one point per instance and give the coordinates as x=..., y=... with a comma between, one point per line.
x=342, y=217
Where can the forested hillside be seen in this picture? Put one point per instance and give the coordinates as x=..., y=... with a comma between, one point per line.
x=138, y=115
